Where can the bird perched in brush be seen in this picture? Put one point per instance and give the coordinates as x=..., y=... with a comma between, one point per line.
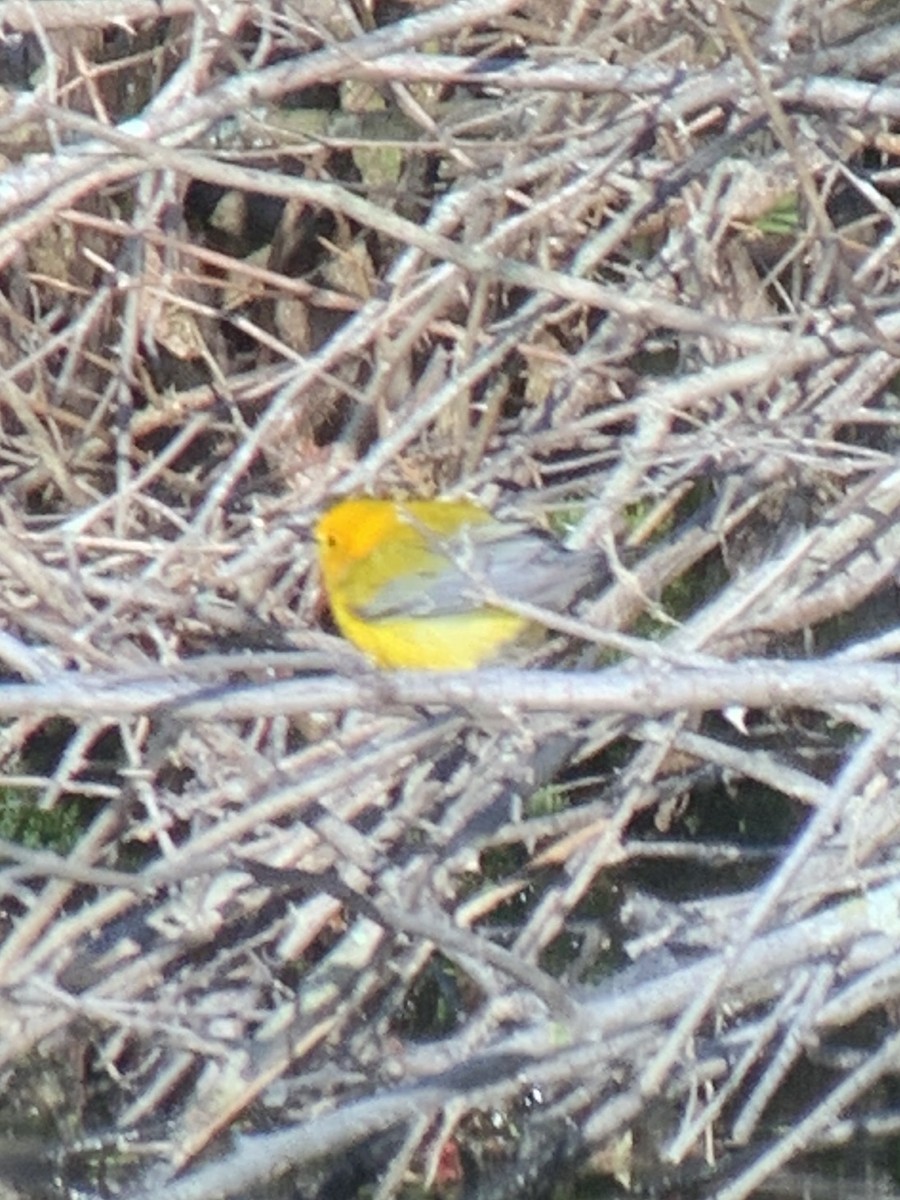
x=422, y=583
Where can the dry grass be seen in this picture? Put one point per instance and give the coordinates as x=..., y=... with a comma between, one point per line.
x=629, y=267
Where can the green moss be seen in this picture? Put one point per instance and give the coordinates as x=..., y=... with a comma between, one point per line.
x=58, y=828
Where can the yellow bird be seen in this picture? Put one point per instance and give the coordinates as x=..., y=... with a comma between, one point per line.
x=421, y=583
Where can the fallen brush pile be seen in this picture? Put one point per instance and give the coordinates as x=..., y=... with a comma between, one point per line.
x=275, y=922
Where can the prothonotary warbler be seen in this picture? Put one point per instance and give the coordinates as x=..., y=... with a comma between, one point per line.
x=421, y=583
